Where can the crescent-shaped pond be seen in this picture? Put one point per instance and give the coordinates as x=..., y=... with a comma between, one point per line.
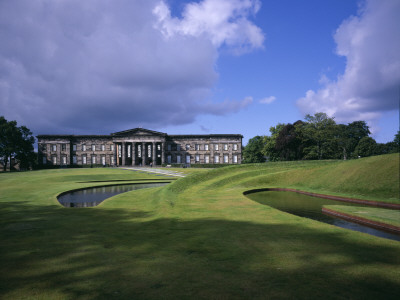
x=93, y=196
x=311, y=207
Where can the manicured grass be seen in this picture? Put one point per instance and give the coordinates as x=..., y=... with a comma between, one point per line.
x=387, y=216
x=198, y=237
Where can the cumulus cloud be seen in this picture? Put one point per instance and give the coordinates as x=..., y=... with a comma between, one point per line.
x=370, y=83
x=220, y=21
x=82, y=66
x=268, y=100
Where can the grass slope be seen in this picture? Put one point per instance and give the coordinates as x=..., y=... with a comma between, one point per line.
x=199, y=237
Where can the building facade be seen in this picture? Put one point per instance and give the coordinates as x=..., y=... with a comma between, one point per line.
x=139, y=146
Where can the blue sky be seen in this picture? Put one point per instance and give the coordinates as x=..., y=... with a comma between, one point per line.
x=198, y=66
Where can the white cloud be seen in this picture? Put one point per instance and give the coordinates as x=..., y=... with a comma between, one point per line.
x=268, y=100
x=220, y=21
x=369, y=86
x=82, y=66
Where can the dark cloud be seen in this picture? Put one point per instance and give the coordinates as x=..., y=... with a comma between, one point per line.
x=79, y=66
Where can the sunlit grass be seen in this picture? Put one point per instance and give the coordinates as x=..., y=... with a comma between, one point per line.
x=198, y=237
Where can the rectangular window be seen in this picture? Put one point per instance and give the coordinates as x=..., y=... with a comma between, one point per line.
x=225, y=147
x=64, y=160
x=216, y=147
x=83, y=147
x=94, y=159
x=226, y=158
x=178, y=147
x=197, y=147
x=187, y=147
x=169, y=147
x=178, y=159
x=235, y=159
x=188, y=159
x=103, y=147
x=103, y=160
x=235, y=147
x=197, y=158
x=206, y=147
x=139, y=151
x=112, y=147
x=63, y=147
x=44, y=160
x=54, y=160
x=74, y=147
x=84, y=159
x=93, y=147
x=74, y=159
x=207, y=159
x=54, y=148
x=216, y=159
x=119, y=150
x=129, y=150
x=112, y=160
x=169, y=159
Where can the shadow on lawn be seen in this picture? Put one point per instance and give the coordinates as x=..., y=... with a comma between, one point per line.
x=52, y=252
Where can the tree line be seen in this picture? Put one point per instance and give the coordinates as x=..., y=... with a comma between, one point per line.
x=317, y=137
x=16, y=145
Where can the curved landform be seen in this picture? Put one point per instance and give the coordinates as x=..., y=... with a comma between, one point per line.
x=378, y=218
x=198, y=237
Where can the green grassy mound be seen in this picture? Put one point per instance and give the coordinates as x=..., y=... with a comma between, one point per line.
x=382, y=215
x=198, y=237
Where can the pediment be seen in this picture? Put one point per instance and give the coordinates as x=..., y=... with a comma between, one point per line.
x=138, y=132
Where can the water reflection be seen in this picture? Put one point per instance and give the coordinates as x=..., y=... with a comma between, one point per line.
x=311, y=207
x=94, y=196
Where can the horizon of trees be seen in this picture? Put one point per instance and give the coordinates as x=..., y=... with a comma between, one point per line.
x=16, y=145
x=317, y=137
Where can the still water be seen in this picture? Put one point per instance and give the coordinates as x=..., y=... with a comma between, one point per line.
x=311, y=207
x=94, y=196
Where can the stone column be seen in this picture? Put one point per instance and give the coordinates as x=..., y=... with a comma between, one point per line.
x=143, y=154
x=115, y=154
x=133, y=153
x=123, y=150
x=154, y=157
x=162, y=153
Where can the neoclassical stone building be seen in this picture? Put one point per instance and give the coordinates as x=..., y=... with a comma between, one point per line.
x=139, y=146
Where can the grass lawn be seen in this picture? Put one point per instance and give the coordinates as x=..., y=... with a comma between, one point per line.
x=198, y=237
x=387, y=216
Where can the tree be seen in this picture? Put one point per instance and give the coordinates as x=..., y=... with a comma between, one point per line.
x=366, y=147
x=269, y=149
x=15, y=143
x=288, y=142
x=252, y=152
x=348, y=136
x=318, y=136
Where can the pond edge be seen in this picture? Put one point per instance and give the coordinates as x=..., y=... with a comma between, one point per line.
x=363, y=221
x=338, y=198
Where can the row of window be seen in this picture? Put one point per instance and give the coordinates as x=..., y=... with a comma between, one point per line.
x=102, y=147
x=206, y=147
x=84, y=160
x=178, y=159
x=169, y=147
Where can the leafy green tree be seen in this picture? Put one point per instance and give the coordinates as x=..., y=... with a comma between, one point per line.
x=318, y=136
x=366, y=147
x=252, y=152
x=16, y=143
x=269, y=149
x=348, y=136
x=289, y=142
